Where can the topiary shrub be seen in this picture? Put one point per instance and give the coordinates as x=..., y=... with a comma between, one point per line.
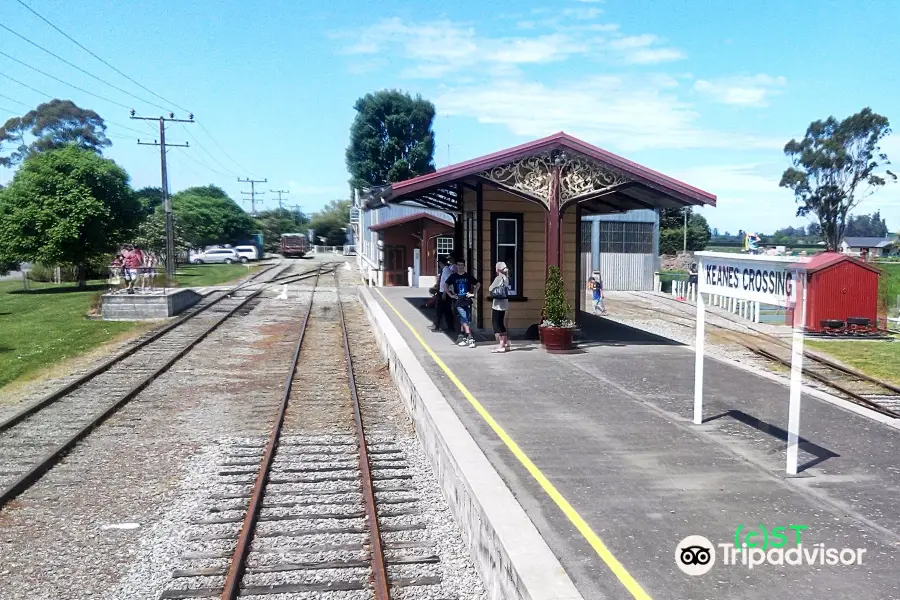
x=556, y=304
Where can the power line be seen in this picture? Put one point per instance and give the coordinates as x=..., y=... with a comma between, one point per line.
x=222, y=149
x=26, y=85
x=74, y=41
x=88, y=73
x=61, y=81
x=279, y=192
x=12, y=100
x=199, y=145
x=204, y=165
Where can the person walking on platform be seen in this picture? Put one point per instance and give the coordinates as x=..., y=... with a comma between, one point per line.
x=462, y=287
x=597, y=293
x=499, y=290
x=443, y=311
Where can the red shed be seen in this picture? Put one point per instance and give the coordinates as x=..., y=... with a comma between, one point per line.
x=840, y=286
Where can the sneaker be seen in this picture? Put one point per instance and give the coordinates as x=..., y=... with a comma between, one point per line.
x=460, y=340
x=471, y=342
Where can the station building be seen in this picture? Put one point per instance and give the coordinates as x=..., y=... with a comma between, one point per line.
x=556, y=201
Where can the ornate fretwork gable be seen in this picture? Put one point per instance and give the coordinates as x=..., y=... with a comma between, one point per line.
x=530, y=175
x=578, y=175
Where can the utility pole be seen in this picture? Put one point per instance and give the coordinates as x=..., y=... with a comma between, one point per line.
x=279, y=192
x=167, y=204
x=686, y=209
x=252, y=193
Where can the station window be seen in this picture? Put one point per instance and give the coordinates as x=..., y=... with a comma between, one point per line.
x=626, y=238
x=506, y=232
x=444, y=246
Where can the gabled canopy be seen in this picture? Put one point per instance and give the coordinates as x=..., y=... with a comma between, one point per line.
x=600, y=181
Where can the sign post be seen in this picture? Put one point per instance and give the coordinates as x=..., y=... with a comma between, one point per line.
x=779, y=281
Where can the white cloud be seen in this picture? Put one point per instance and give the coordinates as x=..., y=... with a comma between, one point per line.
x=741, y=91
x=625, y=112
x=436, y=49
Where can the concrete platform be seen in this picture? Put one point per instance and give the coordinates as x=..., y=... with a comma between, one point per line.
x=598, y=448
x=158, y=304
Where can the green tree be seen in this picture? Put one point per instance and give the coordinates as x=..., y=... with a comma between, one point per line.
x=671, y=231
x=151, y=234
x=835, y=166
x=872, y=225
x=150, y=198
x=331, y=222
x=556, y=303
x=66, y=206
x=391, y=139
x=50, y=126
x=206, y=216
x=274, y=223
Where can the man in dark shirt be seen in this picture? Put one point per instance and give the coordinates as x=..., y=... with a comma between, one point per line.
x=462, y=287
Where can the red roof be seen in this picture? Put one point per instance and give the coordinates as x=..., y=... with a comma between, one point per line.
x=557, y=140
x=409, y=219
x=825, y=260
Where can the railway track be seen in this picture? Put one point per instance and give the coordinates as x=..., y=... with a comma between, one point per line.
x=37, y=436
x=854, y=386
x=306, y=510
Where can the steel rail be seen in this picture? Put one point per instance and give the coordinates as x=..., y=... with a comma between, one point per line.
x=35, y=473
x=68, y=388
x=379, y=571
x=235, y=574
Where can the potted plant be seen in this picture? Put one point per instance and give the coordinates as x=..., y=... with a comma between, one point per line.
x=557, y=329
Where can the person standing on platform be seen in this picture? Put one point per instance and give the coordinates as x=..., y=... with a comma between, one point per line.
x=442, y=304
x=462, y=287
x=597, y=293
x=499, y=290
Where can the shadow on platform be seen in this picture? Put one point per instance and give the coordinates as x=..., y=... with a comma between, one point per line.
x=593, y=331
x=821, y=454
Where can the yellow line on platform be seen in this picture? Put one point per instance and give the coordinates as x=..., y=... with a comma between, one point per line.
x=596, y=543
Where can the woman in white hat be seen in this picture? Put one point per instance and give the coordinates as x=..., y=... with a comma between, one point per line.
x=499, y=291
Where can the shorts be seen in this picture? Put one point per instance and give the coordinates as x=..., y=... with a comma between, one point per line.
x=465, y=314
x=130, y=274
x=497, y=319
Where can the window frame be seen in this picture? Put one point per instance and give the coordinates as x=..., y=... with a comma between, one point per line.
x=437, y=245
x=519, y=272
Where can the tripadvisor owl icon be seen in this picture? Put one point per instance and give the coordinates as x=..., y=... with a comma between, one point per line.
x=695, y=555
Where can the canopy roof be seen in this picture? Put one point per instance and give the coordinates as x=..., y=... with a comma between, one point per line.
x=409, y=219
x=602, y=182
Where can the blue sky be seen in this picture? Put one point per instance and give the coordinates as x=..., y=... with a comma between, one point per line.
x=706, y=91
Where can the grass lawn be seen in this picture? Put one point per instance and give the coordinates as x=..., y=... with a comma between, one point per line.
x=890, y=283
x=47, y=324
x=206, y=275
x=878, y=359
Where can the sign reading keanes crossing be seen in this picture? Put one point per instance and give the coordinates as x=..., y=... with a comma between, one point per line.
x=770, y=280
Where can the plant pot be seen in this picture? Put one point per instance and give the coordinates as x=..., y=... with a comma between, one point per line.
x=557, y=338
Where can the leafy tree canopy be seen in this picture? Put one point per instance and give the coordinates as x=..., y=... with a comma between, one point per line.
x=151, y=235
x=206, y=216
x=51, y=125
x=835, y=166
x=66, y=206
x=671, y=231
x=332, y=222
x=872, y=225
x=274, y=223
x=150, y=198
x=390, y=139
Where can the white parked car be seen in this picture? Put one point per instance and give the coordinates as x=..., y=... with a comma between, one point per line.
x=217, y=255
x=247, y=253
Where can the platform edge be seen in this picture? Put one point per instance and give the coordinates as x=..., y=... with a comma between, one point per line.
x=510, y=555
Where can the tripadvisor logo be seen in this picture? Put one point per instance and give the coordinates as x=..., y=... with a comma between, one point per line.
x=696, y=555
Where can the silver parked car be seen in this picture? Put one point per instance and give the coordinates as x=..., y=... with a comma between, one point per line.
x=217, y=255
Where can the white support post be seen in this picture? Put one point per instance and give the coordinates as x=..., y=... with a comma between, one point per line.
x=756, y=312
x=657, y=284
x=698, y=360
x=796, y=377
